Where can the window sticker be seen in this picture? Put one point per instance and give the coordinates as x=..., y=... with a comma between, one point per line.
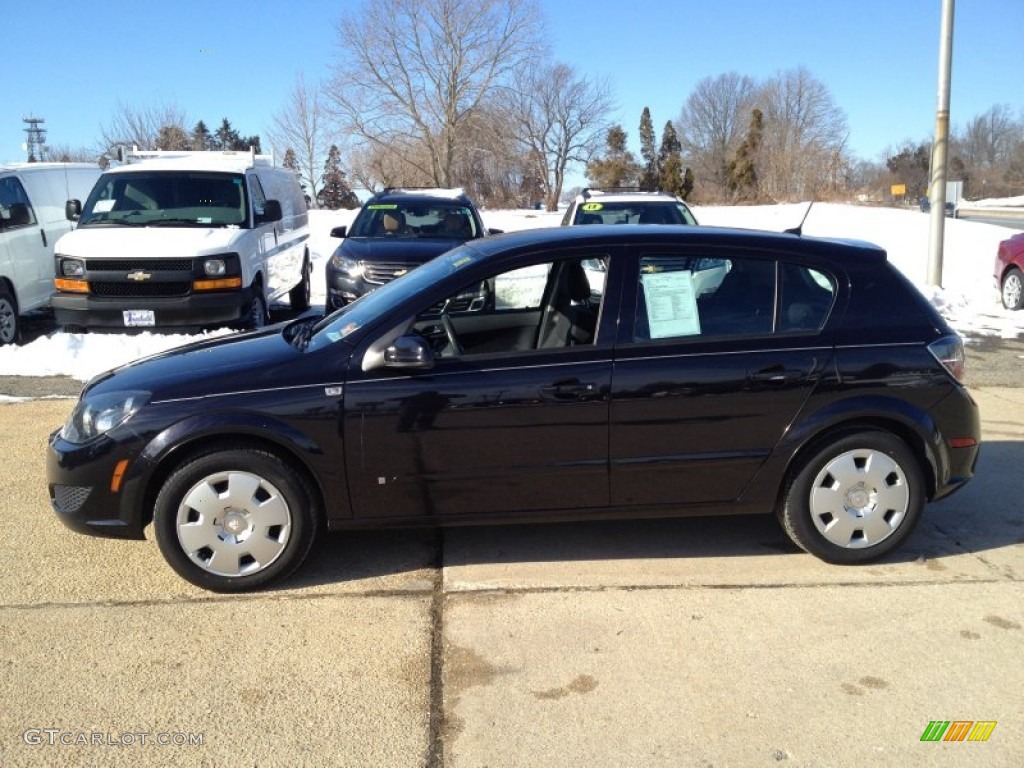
x=462, y=261
x=671, y=304
x=103, y=206
x=383, y=206
x=592, y=206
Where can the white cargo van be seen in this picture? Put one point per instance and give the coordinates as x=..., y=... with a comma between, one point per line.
x=184, y=239
x=32, y=219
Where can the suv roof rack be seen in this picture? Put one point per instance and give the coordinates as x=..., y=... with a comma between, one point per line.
x=588, y=192
x=452, y=192
x=210, y=155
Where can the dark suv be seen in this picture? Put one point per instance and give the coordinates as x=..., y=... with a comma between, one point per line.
x=701, y=372
x=396, y=231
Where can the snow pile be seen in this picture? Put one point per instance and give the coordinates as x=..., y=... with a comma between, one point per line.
x=969, y=301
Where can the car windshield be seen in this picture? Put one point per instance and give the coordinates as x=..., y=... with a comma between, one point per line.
x=640, y=212
x=166, y=198
x=370, y=306
x=447, y=220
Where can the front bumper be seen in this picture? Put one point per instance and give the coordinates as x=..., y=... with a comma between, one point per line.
x=193, y=310
x=80, y=479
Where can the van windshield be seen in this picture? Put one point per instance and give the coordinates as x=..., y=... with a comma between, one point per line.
x=167, y=198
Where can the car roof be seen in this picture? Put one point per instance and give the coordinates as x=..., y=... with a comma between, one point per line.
x=608, y=235
x=418, y=194
x=626, y=196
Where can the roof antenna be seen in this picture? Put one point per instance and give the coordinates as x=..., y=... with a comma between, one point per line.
x=798, y=230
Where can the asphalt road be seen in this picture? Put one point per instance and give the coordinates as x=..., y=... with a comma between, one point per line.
x=657, y=643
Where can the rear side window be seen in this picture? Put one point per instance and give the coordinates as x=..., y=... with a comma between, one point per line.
x=694, y=296
x=15, y=208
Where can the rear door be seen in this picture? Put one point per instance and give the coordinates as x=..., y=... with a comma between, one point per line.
x=717, y=354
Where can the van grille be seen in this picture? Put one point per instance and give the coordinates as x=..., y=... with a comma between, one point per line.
x=129, y=265
x=139, y=290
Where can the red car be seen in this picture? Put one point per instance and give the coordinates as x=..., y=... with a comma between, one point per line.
x=1009, y=271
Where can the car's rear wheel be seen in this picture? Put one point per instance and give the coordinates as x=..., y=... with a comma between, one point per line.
x=1013, y=289
x=234, y=520
x=9, y=326
x=855, y=499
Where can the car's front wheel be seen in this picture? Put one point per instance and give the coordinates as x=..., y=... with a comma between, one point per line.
x=855, y=499
x=1013, y=289
x=234, y=520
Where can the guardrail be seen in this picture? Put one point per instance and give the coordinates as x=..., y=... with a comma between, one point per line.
x=995, y=213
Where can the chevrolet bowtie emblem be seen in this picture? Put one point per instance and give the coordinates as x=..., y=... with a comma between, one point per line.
x=139, y=275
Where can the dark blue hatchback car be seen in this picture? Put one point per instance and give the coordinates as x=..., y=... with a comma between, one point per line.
x=609, y=371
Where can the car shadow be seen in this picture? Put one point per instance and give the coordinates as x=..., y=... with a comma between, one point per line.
x=981, y=517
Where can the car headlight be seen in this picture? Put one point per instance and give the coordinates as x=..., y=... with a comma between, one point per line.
x=345, y=264
x=98, y=414
x=72, y=267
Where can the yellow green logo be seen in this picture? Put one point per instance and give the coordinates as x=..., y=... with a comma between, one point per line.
x=958, y=730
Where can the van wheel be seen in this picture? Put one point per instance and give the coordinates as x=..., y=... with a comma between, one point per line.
x=10, y=329
x=235, y=519
x=302, y=292
x=257, y=308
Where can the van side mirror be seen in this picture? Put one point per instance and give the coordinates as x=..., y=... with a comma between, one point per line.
x=409, y=352
x=271, y=212
x=73, y=209
x=339, y=231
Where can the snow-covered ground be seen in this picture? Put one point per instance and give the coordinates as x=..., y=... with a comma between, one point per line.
x=968, y=300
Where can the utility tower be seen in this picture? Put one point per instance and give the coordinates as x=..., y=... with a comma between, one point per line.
x=35, y=144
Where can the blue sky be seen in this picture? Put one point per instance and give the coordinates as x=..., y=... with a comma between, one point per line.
x=73, y=63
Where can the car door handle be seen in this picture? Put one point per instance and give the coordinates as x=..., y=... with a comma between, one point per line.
x=777, y=375
x=42, y=234
x=573, y=389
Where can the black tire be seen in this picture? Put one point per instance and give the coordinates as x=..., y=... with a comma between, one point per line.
x=855, y=499
x=10, y=323
x=235, y=520
x=300, y=295
x=1012, y=289
x=257, y=316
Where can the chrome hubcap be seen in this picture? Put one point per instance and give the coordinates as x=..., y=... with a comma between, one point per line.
x=859, y=498
x=233, y=523
x=1011, y=291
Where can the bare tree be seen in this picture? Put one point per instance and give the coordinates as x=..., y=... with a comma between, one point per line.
x=804, y=136
x=710, y=127
x=990, y=138
x=560, y=119
x=412, y=72
x=302, y=127
x=142, y=127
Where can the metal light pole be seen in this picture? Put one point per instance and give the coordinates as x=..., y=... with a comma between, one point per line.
x=937, y=193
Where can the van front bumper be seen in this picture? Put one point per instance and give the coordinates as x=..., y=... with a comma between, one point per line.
x=193, y=310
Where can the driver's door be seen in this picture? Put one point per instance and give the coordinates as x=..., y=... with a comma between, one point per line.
x=495, y=432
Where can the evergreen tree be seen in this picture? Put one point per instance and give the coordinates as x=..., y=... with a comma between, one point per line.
x=225, y=137
x=741, y=174
x=201, y=138
x=670, y=162
x=617, y=167
x=687, y=184
x=650, y=176
x=335, y=192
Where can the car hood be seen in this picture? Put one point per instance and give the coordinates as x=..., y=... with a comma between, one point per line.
x=258, y=360
x=409, y=250
x=152, y=242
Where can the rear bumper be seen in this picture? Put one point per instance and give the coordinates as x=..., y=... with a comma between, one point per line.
x=184, y=311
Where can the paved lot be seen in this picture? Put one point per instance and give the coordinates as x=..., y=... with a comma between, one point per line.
x=663, y=643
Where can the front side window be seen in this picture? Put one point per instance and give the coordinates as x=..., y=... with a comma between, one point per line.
x=702, y=296
x=15, y=208
x=166, y=198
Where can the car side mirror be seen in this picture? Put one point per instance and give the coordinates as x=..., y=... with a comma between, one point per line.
x=271, y=211
x=409, y=352
x=73, y=210
x=339, y=231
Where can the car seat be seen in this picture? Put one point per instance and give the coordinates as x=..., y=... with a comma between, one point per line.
x=569, y=318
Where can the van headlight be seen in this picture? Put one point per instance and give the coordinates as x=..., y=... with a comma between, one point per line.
x=72, y=267
x=214, y=267
x=96, y=415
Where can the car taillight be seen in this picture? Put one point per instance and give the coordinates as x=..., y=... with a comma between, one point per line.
x=949, y=350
